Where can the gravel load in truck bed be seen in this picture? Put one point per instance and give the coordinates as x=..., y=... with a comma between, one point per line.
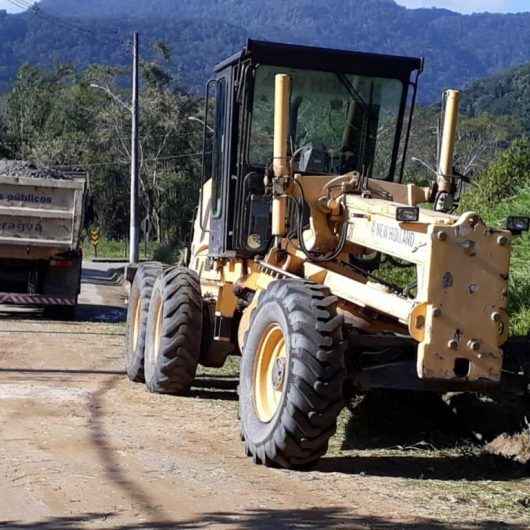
x=24, y=168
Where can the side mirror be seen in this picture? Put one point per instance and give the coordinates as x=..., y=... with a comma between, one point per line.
x=517, y=224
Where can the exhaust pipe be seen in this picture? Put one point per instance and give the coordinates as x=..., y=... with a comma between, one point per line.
x=282, y=97
x=281, y=164
x=447, y=149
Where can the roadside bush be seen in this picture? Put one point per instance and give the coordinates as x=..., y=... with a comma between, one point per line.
x=171, y=253
x=502, y=180
x=504, y=190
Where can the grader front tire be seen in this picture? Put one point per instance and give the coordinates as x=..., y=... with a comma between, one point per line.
x=174, y=332
x=292, y=375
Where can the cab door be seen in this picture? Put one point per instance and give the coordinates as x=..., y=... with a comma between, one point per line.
x=221, y=167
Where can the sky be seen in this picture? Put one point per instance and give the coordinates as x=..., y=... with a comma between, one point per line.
x=472, y=6
x=463, y=6
x=4, y=4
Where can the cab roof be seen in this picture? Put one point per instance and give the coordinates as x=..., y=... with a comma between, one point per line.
x=325, y=59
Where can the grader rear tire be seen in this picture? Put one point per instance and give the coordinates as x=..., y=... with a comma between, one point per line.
x=137, y=312
x=174, y=332
x=292, y=375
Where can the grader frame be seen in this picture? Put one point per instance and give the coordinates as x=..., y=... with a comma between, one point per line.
x=458, y=316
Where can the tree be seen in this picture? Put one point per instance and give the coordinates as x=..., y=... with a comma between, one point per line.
x=502, y=180
x=4, y=147
x=62, y=118
x=479, y=141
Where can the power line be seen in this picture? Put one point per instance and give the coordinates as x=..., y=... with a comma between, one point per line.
x=61, y=22
x=126, y=163
x=35, y=10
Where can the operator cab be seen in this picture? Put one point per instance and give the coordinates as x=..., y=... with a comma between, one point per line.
x=347, y=113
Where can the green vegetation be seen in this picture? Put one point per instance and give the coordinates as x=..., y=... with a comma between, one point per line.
x=458, y=48
x=117, y=249
x=502, y=181
x=65, y=116
x=481, y=139
x=61, y=117
x=505, y=94
x=503, y=190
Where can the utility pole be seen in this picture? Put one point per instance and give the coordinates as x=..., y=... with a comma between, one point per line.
x=134, y=239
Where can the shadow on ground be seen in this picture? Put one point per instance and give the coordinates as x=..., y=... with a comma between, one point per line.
x=263, y=519
x=411, y=420
x=109, y=458
x=472, y=468
x=215, y=387
x=47, y=371
x=112, y=276
x=83, y=312
x=425, y=436
x=104, y=314
x=100, y=313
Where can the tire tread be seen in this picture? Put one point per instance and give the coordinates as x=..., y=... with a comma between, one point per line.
x=308, y=417
x=141, y=292
x=175, y=367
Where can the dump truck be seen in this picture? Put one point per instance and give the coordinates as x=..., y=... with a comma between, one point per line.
x=301, y=201
x=41, y=217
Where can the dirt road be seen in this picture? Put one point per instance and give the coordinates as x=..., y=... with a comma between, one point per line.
x=81, y=447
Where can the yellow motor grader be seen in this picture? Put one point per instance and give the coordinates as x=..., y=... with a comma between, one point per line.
x=301, y=200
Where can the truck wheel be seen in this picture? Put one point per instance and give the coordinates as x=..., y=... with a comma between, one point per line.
x=60, y=312
x=292, y=375
x=67, y=312
x=174, y=332
x=137, y=311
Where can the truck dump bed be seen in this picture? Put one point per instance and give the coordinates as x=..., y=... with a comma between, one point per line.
x=41, y=216
x=39, y=212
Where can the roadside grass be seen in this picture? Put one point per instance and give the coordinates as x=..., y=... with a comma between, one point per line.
x=117, y=249
x=519, y=293
x=451, y=476
x=229, y=370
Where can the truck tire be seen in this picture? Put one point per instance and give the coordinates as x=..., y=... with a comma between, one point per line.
x=174, y=332
x=292, y=375
x=60, y=312
x=137, y=312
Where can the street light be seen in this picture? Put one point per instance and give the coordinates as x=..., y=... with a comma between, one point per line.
x=198, y=120
x=109, y=92
x=424, y=164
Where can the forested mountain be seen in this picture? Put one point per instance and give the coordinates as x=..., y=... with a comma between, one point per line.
x=507, y=94
x=458, y=48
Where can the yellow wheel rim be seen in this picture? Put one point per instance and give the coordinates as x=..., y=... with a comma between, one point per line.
x=158, y=328
x=270, y=373
x=136, y=323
